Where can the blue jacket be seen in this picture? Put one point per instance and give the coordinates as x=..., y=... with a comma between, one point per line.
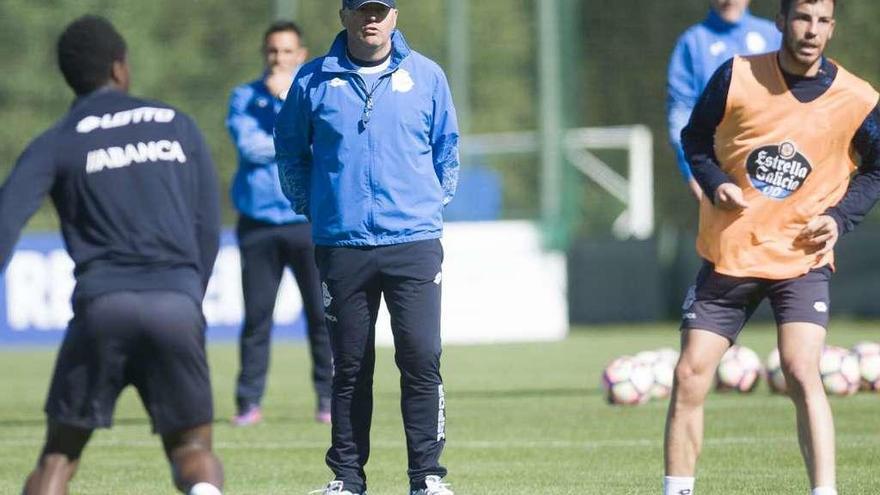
x=256, y=192
x=698, y=53
x=370, y=166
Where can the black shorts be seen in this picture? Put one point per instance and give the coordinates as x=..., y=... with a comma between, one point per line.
x=723, y=304
x=154, y=340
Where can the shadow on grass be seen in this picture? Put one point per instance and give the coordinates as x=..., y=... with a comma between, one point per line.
x=517, y=393
x=34, y=422
x=474, y=394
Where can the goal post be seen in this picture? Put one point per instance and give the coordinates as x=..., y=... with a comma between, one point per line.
x=634, y=188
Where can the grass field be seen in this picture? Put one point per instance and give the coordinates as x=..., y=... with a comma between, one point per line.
x=522, y=419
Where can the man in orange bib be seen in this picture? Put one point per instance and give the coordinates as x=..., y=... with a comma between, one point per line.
x=773, y=143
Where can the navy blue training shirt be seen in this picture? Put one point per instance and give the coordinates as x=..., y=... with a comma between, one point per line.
x=698, y=140
x=135, y=190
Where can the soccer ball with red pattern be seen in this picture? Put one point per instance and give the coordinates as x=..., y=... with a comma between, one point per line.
x=868, y=354
x=739, y=370
x=668, y=355
x=627, y=381
x=773, y=372
x=839, y=369
x=662, y=367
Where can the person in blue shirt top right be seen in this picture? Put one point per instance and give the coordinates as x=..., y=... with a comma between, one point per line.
x=728, y=30
x=270, y=235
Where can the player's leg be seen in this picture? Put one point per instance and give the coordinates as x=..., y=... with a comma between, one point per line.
x=58, y=460
x=262, y=265
x=88, y=377
x=301, y=258
x=800, y=348
x=801, y=306
x=170, y=371
x=701, y=351
x=194, y=467
x=715, y=311
x=351, y=298
x=411, y=282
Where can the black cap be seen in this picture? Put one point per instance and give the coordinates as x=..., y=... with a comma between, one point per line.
x=356, y=4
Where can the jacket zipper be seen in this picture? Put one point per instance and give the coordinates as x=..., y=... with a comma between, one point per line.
x=366, y=115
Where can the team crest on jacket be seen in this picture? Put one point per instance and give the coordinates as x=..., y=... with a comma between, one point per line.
x=755, y=42
x=778, y=170
x=401, y=81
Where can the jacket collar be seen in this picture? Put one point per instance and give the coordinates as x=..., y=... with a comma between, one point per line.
x=103, y=90
x=716, y=23
x=337, y=60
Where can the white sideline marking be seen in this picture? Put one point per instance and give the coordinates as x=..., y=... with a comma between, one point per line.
x=462, y=444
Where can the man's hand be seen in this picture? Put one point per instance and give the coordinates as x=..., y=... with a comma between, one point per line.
x=729, y=196
x=820, y=235
x=278, y=81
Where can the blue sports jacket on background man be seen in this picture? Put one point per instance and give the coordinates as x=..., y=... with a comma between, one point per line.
x=371, y=166
x=698, y=54
x=256, y=192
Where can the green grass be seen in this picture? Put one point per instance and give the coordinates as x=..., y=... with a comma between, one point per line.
x=522, y=419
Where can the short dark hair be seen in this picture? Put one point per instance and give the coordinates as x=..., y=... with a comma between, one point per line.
x=86, y=51
x=785, y=5
x=281, y=27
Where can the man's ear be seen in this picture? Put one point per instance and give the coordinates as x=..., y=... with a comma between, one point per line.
x=120, y=74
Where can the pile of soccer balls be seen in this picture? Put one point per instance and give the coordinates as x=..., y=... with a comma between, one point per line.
x=633, y=380
x=844, y=371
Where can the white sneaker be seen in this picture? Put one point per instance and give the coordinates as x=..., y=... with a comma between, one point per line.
x=334, y=488
x=434, y=485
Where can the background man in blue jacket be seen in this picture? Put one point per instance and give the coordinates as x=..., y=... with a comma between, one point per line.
x=367, y=145
x=136, y=193
x=728, y=30
x=270, y=235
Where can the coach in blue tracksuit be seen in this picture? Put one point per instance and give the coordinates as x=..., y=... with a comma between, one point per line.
x=367, y=147
x=270, y=235
x=728, y=30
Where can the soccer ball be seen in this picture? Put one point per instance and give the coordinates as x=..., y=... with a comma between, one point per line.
x=739, y=370
x=868, y=354
x=662, y=371
x=840, y=371
x=627, y=381
x=775, y=377
x=647, y=357
x=668, y=355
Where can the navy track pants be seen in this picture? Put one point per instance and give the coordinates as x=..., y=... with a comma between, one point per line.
x=266, y=250
x=408, y=275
